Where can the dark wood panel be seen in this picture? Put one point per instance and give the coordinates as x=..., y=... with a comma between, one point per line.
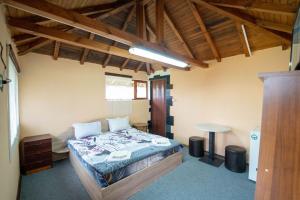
x=279, y=162
x=158, y=107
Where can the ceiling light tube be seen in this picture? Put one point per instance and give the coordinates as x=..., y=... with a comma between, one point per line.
x=156, y=56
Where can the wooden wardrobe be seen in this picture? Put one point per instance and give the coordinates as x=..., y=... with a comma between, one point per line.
x=279, y=160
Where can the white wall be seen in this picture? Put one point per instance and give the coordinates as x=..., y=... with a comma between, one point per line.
x=229, y=93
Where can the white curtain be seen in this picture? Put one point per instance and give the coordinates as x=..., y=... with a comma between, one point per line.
x=118, y=88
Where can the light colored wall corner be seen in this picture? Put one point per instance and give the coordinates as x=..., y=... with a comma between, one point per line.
x=9, y=166
x=54, y=94
x=228, y=93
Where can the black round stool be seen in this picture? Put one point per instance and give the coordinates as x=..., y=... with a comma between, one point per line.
x=235, y=158
x=196, y=146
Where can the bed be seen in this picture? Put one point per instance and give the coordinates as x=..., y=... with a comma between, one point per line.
x=107, y=179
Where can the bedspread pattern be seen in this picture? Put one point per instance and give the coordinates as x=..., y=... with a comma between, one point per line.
x=93, y=151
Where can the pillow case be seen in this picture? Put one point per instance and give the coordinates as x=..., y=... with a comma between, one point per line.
x=117, y=124
x=87, y=129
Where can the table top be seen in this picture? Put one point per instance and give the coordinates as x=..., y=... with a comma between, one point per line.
x=210, y=127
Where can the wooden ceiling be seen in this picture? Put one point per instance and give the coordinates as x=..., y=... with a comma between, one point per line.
x=101, y=31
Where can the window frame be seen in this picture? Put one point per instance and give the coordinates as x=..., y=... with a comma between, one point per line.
x=11, y=57
x=135, y=82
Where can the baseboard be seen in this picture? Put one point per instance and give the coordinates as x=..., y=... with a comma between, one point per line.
x=19, y=188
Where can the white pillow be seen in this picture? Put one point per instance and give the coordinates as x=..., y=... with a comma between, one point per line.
x=87, y=129
x=117, y=124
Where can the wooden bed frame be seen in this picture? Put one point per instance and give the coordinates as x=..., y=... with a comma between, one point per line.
x=126, y=187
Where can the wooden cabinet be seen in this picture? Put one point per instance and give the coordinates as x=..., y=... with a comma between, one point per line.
x=279, y=160
x=35, y=153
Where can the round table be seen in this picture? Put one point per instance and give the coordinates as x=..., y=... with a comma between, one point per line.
x=212, y=129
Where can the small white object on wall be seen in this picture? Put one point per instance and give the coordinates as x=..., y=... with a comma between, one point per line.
x=254, y=153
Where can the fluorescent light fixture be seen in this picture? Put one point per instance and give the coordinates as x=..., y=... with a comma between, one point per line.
x=156, y=56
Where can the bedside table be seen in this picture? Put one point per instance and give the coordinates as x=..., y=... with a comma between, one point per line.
x=36, y=153
x=141, y=126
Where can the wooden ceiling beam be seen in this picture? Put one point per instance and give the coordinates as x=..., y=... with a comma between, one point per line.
x=272, y=8
x=140, y=19
x=124, y=27
x=75, y=40
x=86, y=11
x=159, y=13
x=275, y=26
x=204, y=30
x=74, y=19
x=126, y=5
x=124, y=63
x=244, y=19
x=141, y=25
x=33, y=45
x=242, y=39
x=180, y=37
x=139, y=67
x=56, y=50
x=37, y=43
x=86, y=51
x=71, y=18
x=103, y=10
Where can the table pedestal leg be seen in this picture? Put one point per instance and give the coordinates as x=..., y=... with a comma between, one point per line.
x=211, y=151
x=210, y=158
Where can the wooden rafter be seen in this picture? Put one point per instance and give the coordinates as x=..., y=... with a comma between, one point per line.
x=34, y=45
x=124, y=27
x=124, y=64
x=38, y=42
x=108, y=8
x=275, y=26
x=86, y=51
x=86, y=11
x=74, y=19
x=175, y=29
x=140, y=19
x=242, y=39
x=141, y=25
x=244, y=19
x=139, y=66
x=75, y=40
x=125, y=6
x=97, y=11
x=56, y=50
x=204, y=30
x=159, y=21
x=272, y=8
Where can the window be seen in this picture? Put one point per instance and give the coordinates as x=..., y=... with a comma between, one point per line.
x=140, y=89
x=118, y=87
x=13, y=101
x=122, y=87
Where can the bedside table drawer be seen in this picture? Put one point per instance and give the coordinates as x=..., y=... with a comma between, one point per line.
x=37, y=164
x=30, y=158
x=44, y=145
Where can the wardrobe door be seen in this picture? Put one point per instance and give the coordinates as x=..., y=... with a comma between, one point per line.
x=279, y=162
x=268, y=140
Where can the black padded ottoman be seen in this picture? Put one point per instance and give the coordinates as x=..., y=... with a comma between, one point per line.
x=235, y=158
x=196, y=146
